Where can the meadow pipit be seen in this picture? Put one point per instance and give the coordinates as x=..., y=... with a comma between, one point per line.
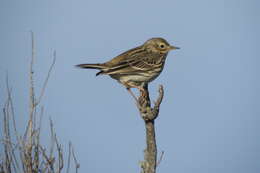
x=138, y=66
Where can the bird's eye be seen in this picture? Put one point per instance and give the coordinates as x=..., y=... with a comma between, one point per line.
x=162, y=46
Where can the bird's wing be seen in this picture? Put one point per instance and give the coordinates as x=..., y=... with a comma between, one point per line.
x=134, y=60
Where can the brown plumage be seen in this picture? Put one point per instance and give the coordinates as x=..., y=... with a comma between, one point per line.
x=138, y=66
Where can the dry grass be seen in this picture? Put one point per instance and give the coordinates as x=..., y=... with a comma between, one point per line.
x=23, y=152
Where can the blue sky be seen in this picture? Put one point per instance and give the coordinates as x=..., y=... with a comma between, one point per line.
x=209, y=118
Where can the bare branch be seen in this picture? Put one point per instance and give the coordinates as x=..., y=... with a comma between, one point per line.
x=26, y=154
x=149, y=114
x=12, y=107
x=32, y=101
x=52, y=139
x=60, y=155
x=77, y=165
x=47, y=78
x=69, y=158
x=7, y=163
x=160, y=97
x=160, y=159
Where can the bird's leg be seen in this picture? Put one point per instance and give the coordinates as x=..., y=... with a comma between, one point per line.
x=144, y=99
x=142, y=91
x=132, y=94
x=141, y=101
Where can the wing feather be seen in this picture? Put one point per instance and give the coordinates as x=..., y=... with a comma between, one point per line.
x=134, y=60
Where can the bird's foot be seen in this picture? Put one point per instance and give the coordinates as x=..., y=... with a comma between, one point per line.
x=132, y=94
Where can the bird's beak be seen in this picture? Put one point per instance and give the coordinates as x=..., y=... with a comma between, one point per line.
x=173, y=47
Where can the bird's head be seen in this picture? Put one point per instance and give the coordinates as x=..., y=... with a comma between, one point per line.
x=158, y=45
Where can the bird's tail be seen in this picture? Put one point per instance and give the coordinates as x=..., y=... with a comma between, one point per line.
x=91, y=66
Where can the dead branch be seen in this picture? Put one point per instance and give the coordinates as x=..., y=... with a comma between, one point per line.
x=47, y=79
x=160, y=159
x=77, y=165
x=149, y=114
x=69, y=158
x=25, y=153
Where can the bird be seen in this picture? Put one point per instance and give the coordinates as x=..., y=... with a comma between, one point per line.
x=136, y=67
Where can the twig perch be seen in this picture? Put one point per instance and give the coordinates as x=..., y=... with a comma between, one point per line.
x=149, y=114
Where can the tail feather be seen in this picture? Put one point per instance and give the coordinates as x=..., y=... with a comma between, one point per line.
x=91, y=66
x=100, y=72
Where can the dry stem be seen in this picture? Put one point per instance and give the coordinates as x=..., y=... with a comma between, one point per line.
x=149, y=114
x=26, y=154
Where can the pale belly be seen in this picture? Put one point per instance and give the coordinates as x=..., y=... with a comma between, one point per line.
x=134, y=79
